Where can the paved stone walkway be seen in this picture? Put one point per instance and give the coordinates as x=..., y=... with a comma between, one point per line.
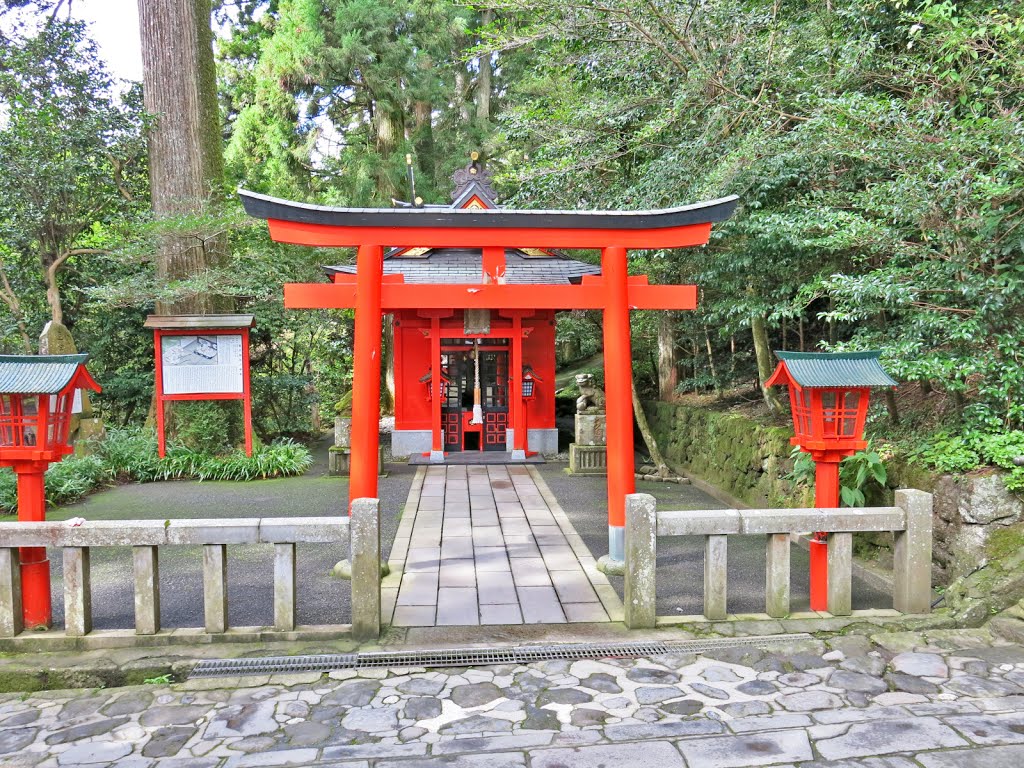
x=490, y=545
x=941, y=699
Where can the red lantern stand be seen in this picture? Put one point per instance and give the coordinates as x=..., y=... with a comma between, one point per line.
x=200, y=327
x=37, y=394
x=828, y=398
x=529, y=394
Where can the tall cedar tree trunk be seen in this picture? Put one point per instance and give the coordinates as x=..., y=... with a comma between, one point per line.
x=762, y=350
x=668, y=373
x=483, y=83
x=185, y=160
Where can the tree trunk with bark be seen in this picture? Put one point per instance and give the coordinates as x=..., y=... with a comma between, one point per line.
x=668, y=371
x=762, y=350
x=185, y=152
x=483, y=82
x=648, y=435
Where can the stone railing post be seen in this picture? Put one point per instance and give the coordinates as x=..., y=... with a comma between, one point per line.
x=840, y=573
x=215, y=587
x=776, y=587
x=146, y=565
x=716, y=576
x=641, y=553
x=365, y=545
x=77, y=592
x=11, y=617
x=912, y=554
x=284, y=586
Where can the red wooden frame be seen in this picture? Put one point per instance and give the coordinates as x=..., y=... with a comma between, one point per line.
x=245, y=395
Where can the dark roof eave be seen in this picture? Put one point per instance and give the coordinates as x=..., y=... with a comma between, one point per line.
x=265, y=207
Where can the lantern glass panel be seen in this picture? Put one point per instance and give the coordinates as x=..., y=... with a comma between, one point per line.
x=527, y=387
x=59, y=419
x=851, y=405
x=801, y=401
x=26, y=420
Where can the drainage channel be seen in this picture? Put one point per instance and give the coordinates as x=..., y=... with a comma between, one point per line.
x=471, y=657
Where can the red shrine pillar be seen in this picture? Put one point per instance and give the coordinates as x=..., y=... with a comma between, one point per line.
x=618, y=387
x=436, y=436
x=366, y=374
x=515, y=391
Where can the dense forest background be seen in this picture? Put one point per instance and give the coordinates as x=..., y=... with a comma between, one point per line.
x=876, y=147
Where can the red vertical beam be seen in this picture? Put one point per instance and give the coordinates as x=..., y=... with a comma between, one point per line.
x=618, y=372
x=437, y=442
x=161, y=438
x=35, y=567
x=246, y=392
x=493, y=259
x=515, y=390
x=826, y=496
x=366, y=374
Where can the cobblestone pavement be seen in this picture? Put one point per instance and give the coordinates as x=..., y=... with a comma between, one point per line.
x=937, y=699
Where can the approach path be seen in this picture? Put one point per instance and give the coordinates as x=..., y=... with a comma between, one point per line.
x=938, y=699
x=490, y=545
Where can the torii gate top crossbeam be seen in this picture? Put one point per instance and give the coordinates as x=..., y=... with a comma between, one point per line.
x=318, y=225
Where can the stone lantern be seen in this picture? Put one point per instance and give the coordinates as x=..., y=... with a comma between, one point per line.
x=37, y=397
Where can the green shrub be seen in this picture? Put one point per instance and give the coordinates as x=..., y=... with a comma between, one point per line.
x=973, y=448
x=207, y=427
x=66, y=481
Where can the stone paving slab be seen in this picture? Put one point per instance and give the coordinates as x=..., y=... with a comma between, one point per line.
x=723, y=709
x=489, y=545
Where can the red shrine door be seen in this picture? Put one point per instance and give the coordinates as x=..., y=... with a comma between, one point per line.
x=459, y=364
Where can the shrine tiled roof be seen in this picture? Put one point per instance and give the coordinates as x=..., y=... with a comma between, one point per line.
x=836, y=369
x=463, y=266
x=38, y=374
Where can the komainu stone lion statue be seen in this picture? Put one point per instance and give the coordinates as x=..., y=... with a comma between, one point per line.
x=591, y=399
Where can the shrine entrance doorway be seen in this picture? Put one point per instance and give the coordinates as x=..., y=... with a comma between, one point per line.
x=462, y=361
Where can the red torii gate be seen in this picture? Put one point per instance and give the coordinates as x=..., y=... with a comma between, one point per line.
x=491, y=230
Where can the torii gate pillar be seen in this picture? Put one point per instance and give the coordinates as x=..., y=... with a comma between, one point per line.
x=618, y=385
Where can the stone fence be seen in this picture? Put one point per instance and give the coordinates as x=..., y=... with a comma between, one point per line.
x=358, y=535
x=910, y=521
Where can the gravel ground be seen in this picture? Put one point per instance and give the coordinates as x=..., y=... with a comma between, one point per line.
x=321, y=600
x=681, y=559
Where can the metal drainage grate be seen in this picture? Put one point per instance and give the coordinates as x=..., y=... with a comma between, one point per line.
x=470, y=657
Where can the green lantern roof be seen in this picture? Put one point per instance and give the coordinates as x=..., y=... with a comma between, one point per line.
x=836, y=369
x=38, y=374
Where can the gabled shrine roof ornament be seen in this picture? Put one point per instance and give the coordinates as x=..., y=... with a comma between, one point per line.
x=473, y=180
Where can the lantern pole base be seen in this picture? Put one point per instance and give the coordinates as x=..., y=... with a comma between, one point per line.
x=37, y=609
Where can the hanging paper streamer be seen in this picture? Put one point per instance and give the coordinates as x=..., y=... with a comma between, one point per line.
x=478, y=411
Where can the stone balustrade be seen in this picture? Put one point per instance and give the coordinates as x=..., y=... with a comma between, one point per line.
x=910, y=520
x=358, y=536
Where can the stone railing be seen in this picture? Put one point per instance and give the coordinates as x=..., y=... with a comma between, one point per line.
x=910, y=520
x=357, y=536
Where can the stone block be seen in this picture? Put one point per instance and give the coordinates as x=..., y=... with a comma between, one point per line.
x=777, y=576
x=912, y=554
x=146, y=568
x=11, y=617
x=339, y=461
x=767, y=521
x=343, y=431
x=840, y=573
x=698, y=522
x=588, y=459
x=591, y=429
x=716, y=581
x=641, y=555
x=365, y=545
x=241, y=530
x=215, y=588
x=284, y=587
x=304, y=530
x=77, y=592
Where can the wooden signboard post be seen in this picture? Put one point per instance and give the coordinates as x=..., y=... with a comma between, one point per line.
x=201, y=357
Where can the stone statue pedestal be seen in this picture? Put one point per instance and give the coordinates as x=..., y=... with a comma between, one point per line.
x=343, y=431
x=339, y=460
x=589, y=454
x=591, y=429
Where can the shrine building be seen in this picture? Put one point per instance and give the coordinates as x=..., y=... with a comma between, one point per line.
x=488, y=344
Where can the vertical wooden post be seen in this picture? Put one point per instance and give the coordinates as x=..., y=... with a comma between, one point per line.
x=436, y=401
x=161, y=437
x=618, y=374
x=246, y=392
x=366, y=374
x=146, y=564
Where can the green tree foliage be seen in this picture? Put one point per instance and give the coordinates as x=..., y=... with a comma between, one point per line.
x=876, y=149
x=73, y=164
